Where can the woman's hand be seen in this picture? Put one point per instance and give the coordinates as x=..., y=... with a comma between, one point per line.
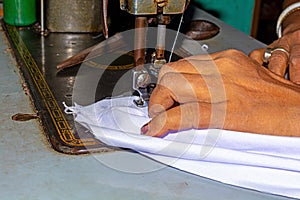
x=290, y=41
x=225, y=90
x=279, y=60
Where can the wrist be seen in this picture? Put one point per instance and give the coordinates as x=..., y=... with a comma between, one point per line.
x=288, y=17
x=287, y=3
x=291, y=23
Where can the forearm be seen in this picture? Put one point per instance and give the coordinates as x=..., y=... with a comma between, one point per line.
x=291, y=23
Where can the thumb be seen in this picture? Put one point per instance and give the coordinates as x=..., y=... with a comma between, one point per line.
x=183, y=117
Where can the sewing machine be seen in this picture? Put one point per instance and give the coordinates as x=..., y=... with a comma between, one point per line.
x=50, y=87
x=91, y=79
x=157, y=13
x=160, y=10
x=146, y=71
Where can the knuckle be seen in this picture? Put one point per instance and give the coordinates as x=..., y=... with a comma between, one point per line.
x=234, y=52
x=278, y=56
x=254, y=53
x=156, y=109
x=168, y=78
x=168, y=68
x=295, y=61
x=164, y=69
x=296, y=34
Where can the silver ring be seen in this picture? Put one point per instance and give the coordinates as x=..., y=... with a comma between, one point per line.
x=269, y=51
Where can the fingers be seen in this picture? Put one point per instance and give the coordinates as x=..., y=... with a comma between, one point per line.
x=162, y=98
x=294, y=64
x=191, y=65
x=278, y=62
x=186, y=116
x=195, y=115
x=178, y=88
x=198, y=64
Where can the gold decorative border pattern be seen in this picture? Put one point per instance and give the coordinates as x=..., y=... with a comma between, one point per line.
x=62, y=127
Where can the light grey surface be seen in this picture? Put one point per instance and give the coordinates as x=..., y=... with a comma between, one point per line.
x=31, y=169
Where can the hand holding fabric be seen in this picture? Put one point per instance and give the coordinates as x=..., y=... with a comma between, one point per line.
x=225, y=90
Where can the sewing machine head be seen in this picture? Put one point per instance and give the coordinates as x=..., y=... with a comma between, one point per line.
x=160, y=11
x=153, y=7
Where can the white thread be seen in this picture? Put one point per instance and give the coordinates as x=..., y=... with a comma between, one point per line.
x=69, y=109
x=181, y=19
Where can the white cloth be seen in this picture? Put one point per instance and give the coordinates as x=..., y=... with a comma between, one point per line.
x=261, y=162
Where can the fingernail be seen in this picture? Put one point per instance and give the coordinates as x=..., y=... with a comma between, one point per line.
x=144, y=129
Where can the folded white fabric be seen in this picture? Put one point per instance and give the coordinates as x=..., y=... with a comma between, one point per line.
x=261, y=162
